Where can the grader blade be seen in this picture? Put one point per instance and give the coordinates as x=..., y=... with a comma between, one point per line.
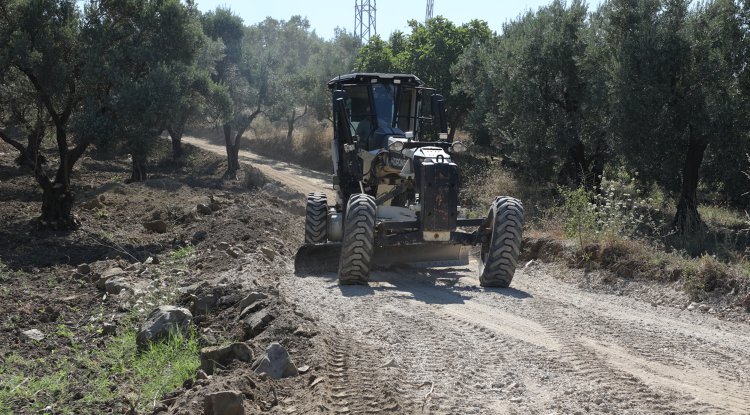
x=313, y=258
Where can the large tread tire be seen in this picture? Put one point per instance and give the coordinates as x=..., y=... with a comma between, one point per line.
x=316, y=218
x=499, y=255
x=358, y=245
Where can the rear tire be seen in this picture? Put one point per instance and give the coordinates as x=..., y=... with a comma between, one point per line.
x=499, y=255
x=358, y=245
x=316, y=218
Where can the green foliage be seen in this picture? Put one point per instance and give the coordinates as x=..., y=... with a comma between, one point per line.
x=579, y=215
x=376, y=56
x=117, y=369
x=429, y=52
x=655, y=86
x=145, y=53
x=532, y=89
x=183, y=253
x=618, y=212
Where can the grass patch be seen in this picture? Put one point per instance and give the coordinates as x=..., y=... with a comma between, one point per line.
x=183, y=253
x=723, y=217
x=92, y=378
x=20, y=389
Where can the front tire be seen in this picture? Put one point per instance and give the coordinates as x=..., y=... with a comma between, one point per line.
x=316, y=218
x=499, y=255
x=358, y=245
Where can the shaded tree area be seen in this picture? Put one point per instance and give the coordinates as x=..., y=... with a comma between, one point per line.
x=145, y=53
x=115, y=75
x=276, y=69
x=657, y=87
x=43, y=58
x=535, y=91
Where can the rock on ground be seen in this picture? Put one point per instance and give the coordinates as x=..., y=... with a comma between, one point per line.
x=161, y=322
x=107, y=275
x=276, y=363
x=251, y=298
x=223, y=356
x=227, y=402
x=256, y=323
x=34, y=334
x=158, y=226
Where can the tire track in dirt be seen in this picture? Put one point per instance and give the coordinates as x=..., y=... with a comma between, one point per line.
x=354, y=387
x=574, y=360
x=664, y=364
x=447, y=370
x=493, y=351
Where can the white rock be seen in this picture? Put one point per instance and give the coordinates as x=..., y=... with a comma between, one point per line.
x=34, y=334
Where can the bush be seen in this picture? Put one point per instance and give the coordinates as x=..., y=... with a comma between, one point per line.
x=617, y=212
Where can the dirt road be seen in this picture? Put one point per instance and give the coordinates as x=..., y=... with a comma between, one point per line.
x=433, y=341
x=295, y=177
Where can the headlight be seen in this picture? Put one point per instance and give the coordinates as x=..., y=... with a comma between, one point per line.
x=458, y=147
x=396, y=146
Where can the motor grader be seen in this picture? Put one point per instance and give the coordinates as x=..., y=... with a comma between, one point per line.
x=397, y=189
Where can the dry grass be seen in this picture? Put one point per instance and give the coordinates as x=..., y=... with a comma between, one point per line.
x=483, y=179
x=309, y=147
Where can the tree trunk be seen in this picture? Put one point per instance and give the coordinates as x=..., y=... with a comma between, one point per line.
x=233, y=150
x=575, y=171
x=687, y=220
x=176, y=135
x=138, y=173
x=57, y=202
x=451, y=132
x=29, y=154
x=290, y=126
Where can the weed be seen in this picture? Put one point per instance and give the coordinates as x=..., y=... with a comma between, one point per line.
x=619, y=211
x=183, y=253
x=19, y=388
x=64, y=331
x=720, y=216
x=101, y=213
x=580, y=215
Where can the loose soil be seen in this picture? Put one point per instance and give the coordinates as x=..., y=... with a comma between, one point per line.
x=413, y=341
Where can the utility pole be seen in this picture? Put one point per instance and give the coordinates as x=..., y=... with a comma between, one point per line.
x=364, y=20
x=428, y=13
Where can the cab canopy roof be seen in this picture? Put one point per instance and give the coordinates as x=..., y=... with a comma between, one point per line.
x=366, y=78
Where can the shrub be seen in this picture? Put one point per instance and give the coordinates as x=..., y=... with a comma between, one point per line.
x=618, y=211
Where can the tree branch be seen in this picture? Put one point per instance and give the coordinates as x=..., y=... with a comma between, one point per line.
x=18, y=146
x=46, y=100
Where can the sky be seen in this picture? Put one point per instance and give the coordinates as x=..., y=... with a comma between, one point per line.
x=391, y=15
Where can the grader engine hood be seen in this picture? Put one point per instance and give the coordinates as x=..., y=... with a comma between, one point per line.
x=437, y=179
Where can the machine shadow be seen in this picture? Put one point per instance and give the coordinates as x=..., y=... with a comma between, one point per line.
x=444, y=285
